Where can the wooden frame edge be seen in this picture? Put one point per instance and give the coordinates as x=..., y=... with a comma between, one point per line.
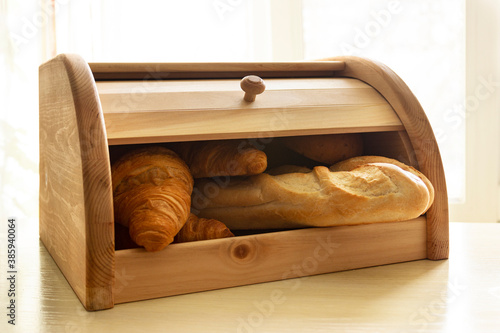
x=96, y=175
x=274, y=256
x=419, y=130
x=207, y=70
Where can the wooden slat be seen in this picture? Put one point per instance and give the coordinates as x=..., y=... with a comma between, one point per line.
x=140, y=88
x=159, y=111
x=76, y=207
x=206, y=265
x=156, y=71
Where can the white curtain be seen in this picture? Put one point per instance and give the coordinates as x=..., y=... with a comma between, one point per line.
x=158, y=30
x=23, y=45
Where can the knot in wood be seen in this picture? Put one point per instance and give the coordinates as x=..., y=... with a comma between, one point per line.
x=241, y=251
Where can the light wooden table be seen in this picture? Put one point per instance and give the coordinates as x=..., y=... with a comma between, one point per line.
x=461, y=294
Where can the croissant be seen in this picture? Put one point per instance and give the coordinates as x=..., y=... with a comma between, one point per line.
x=151, y=195
x=221, y=158
x=197, y=229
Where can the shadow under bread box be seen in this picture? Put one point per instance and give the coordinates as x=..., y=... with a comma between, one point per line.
x=87, y=110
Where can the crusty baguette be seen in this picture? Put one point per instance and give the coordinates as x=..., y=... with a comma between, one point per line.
x=369, y=193
x=357, y=161
x=288, y=169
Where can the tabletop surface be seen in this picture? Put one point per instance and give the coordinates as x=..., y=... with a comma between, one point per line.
x=461, y=294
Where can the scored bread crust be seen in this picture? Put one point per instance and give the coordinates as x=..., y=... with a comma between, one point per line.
x=357, y=161
x=369, y=193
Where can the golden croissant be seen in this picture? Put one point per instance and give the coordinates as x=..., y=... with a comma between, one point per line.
x=197, y=229
x=152, y=195
x=221, y=158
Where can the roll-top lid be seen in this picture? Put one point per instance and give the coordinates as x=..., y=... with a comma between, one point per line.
x=145, y=111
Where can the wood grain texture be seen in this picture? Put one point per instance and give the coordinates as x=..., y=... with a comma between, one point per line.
x=76, y=212
x=180, y=70
x=425, y=148
x=181, y=110
x=221, y=263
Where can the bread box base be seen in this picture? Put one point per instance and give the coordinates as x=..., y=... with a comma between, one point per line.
x=207, y=265
x=89, y=111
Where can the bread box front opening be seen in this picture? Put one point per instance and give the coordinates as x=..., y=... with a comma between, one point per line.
x=282, y=155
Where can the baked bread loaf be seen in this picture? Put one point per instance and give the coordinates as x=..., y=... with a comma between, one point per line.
x=380, y=192
x=287, y=168
x=151, y=195
x=328, y=148
x=221, y=158
x=354, y=162
x=197, y=229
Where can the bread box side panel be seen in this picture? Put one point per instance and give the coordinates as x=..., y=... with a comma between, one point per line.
x=425, y=149
x=76, y=216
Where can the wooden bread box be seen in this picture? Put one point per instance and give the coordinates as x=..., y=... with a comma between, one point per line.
x=87, y=111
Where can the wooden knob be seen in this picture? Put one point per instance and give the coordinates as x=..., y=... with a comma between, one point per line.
x=252, y=85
